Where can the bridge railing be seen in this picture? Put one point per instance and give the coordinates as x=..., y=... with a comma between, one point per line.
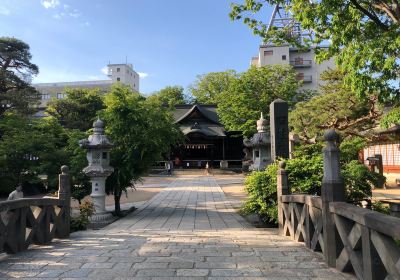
x=35, y=221
x=352, y=239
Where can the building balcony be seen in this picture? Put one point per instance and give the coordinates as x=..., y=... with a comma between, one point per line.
x=301, y=63
x=304, y=78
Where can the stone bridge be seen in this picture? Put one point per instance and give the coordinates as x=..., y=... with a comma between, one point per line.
x=191, y=231
x=187, y=231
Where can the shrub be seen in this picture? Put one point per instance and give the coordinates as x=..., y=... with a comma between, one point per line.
x=261, y=189
x=86, y=210
x=305, y=173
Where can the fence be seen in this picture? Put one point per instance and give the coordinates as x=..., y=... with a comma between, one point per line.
x=351, y=238
x=35, y=221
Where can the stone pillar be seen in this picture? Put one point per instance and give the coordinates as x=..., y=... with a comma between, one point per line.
x=282, y=189
x=332, y=190
x=394, y=209
x=279, y=129
x=98, y=194
x=64, y=193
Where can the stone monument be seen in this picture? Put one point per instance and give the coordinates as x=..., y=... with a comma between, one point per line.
x=260, y=145
x=98, y=155
x=279, y=129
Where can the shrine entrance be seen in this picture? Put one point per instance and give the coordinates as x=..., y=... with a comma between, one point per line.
x=206, y=139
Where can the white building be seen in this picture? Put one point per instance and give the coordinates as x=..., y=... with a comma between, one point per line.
x=302, y=61
x=118, y=73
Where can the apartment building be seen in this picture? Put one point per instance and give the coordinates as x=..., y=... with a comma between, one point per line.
x=117, y=73
x=302, y=61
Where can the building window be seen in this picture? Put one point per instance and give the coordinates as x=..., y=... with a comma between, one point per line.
x=118, y=79
x=118, y=69
x=268, y=53
x=61, y=95
x=104, y=155
x=298, y=61
x=283, y=57
x=46, y=96
x=257, y=153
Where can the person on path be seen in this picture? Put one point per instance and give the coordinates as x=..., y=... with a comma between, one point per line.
x=17, y=194
x=207, y=171
x=169, y=168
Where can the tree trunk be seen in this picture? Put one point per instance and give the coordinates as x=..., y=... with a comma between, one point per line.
x=117, y=198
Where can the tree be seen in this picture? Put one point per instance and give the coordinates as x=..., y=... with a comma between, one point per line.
x=337, y=108
x=171, y=96
x=141, y=132
x=252, y=92
x=391, y=118
x=78, y=110
x=16, y=72
x=363, y=35
x=30, y=147
x=208, y=87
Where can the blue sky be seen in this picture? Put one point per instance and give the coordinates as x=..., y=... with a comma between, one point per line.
x=168, y=42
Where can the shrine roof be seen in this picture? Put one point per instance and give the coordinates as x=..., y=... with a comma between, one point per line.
x=184, y=112
x=216, y=131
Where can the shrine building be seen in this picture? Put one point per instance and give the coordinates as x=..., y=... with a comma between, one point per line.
x=206, y=139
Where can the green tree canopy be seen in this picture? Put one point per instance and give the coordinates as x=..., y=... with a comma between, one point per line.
x=252, y=92
x=78, y=110
x=30, y=147
x=170, y=95
x=337, y=108
x=363, y=35
x=142, y=133
x=208, y=87
x=16, y=71
x=391, y=118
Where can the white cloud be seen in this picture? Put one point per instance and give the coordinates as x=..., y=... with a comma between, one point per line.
x=143, y=75
x=104, y=70
x=4, y=11
x=75, y=13
x=58, y=16
x=50, y=3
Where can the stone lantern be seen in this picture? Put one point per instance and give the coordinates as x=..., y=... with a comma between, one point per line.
x=98, y=155
x=260, y=145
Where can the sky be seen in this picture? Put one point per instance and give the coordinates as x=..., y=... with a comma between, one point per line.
x=168, y=42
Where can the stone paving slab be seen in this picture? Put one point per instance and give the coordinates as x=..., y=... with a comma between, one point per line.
x=187, y=231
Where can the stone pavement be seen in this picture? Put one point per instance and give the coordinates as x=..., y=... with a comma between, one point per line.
x=187, y=231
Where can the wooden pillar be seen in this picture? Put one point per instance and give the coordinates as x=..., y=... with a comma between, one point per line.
x=282, y=189
x=64, y=193
x=223, y=148
x=332, y=190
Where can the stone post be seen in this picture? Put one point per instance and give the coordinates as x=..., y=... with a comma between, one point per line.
x=332, y=190
x=282, y=189
x=64, y=193
x=394, y=209
x=279, y=129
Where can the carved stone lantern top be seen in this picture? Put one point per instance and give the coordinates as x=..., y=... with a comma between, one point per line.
x=262, y=137
x=98, y=155
x=98, y=140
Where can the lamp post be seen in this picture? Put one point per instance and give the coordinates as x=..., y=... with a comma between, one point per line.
x=98, y=155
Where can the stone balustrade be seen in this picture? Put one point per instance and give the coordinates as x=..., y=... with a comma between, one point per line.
x=35, y=221
x=352, y=239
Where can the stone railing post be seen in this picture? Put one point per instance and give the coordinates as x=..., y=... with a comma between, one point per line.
x=64, y=193
x=332, y=190
x=282, y=189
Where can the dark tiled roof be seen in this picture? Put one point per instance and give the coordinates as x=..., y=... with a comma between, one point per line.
x=208, y=111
